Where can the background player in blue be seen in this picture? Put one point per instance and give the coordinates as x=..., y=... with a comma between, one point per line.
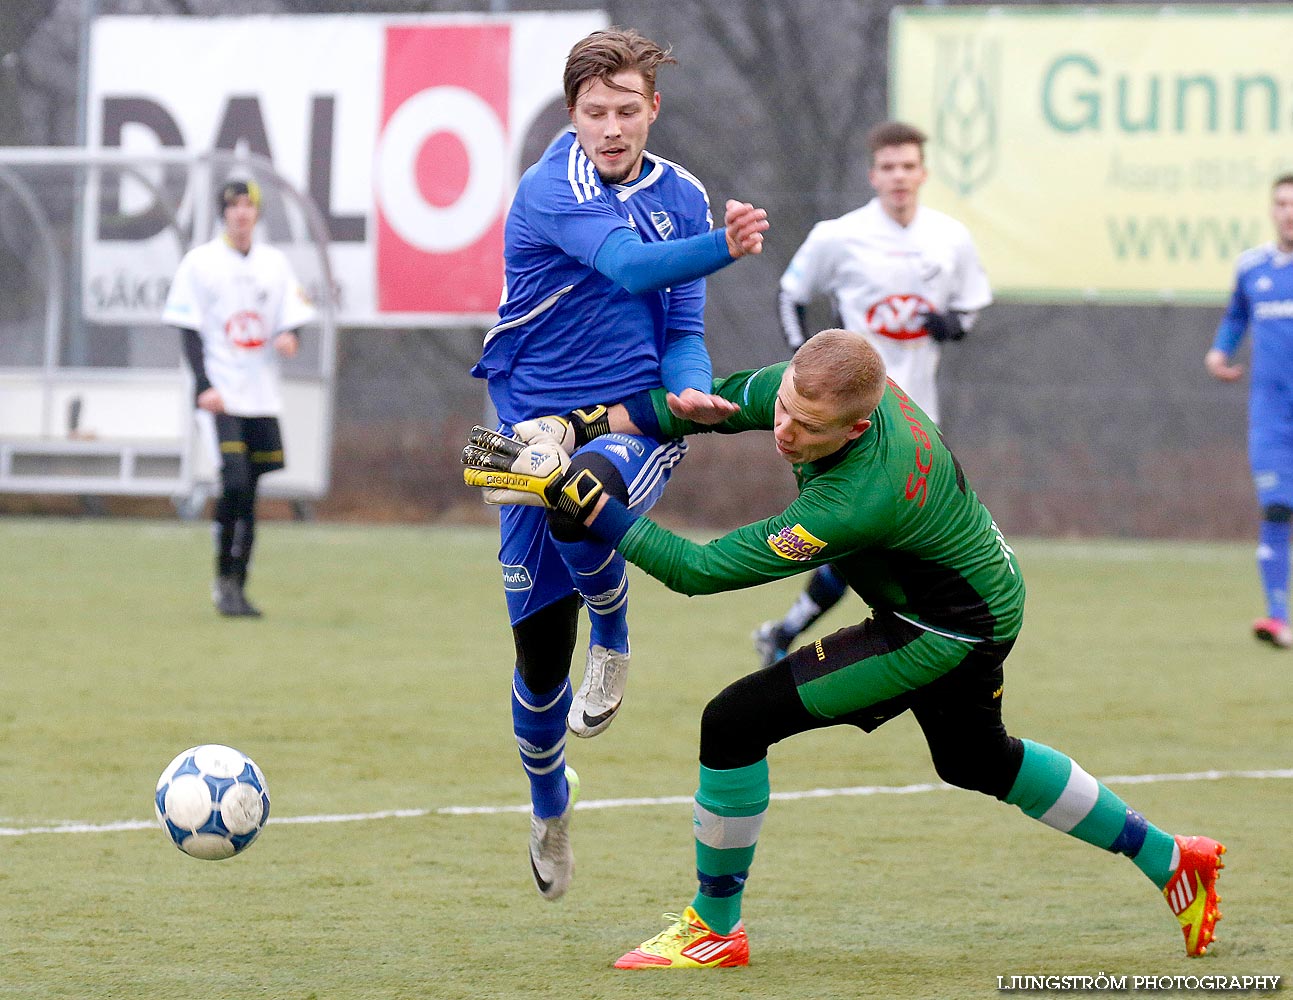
x=1263, y=303
x=605, y=247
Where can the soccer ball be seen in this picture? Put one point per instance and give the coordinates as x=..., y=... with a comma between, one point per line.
x=212, y=801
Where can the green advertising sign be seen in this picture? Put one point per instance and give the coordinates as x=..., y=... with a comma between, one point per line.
x=1101, y=152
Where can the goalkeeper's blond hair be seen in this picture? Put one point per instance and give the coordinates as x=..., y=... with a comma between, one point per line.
x=842, y=367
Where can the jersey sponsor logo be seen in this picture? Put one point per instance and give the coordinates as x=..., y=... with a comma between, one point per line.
x=246, y=329
x=1265, y=479
x=516, y=578
x=917, y=486
x=899, y=317
x=663, y=224
x=1278, y=309
x=797, y=544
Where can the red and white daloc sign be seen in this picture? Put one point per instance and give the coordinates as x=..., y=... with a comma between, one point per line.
x=409, y=134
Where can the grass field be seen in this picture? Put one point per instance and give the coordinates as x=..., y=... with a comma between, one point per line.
x=378, y=682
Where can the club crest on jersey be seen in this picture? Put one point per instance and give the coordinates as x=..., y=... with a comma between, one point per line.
x=663, y=224
x=797, y=544
x=929, y=269
x=246, y=329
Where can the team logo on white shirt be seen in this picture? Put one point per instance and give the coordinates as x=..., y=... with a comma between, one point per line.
x=246, y=329
x=898, y=317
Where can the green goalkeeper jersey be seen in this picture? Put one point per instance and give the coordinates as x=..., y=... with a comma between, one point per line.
x=891, y=510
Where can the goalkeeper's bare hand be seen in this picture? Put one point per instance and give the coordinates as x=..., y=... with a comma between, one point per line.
x=539, y=475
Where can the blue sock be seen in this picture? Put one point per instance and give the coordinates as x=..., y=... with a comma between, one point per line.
x=599, y=575
x=539, y=722
x=1273, y=565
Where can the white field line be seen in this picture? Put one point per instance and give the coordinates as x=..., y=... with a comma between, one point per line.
x=667, y=800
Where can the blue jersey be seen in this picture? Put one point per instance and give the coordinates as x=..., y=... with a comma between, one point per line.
x=567, y=335
x=1262, y=303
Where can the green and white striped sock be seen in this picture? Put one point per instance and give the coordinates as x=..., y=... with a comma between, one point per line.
x=1052, y=788
x=727, y=816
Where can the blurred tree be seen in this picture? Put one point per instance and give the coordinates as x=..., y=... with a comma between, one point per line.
x=18, y=22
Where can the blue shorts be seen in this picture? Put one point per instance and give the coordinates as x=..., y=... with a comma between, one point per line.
x=534, y=572
x=1270, y=442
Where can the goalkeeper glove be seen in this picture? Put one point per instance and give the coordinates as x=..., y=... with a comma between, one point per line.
x=569, y=431
x=513, y=472
x=944, y=326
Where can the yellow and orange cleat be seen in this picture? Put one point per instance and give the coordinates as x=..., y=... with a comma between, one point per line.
x=689, y=944
x=1192, y=891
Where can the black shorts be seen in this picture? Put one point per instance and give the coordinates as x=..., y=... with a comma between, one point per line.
x=249, y=446
x=867, y=674
x=864, y=676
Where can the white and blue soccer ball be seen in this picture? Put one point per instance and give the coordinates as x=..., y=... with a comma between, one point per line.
x=212, y=801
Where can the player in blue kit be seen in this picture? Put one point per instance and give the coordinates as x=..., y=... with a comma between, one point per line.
x=1262, y=302
x=606, y=247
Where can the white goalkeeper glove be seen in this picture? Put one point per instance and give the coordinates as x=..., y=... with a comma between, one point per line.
x=537, y=475
x=568, y=431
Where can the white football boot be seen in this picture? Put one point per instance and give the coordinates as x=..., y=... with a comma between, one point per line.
x=599, y=696
x=552, y=860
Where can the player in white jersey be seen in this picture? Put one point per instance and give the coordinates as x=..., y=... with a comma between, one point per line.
x=238, y=304
x=906, y=276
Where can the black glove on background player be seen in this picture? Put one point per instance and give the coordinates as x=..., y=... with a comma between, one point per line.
x=944, y=326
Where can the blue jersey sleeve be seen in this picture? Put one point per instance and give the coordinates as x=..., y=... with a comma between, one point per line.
x=687, y=306
x=686, y=363
x=687, y=300
x=644, y=267
x=1234, y=323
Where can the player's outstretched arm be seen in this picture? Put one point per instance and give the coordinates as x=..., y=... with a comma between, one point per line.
x=639, y=266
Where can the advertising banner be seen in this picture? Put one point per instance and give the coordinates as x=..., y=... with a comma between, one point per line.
x=1113, y=152
x=409, y=133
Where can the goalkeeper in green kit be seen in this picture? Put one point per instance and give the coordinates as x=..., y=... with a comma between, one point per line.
x=883, y=500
